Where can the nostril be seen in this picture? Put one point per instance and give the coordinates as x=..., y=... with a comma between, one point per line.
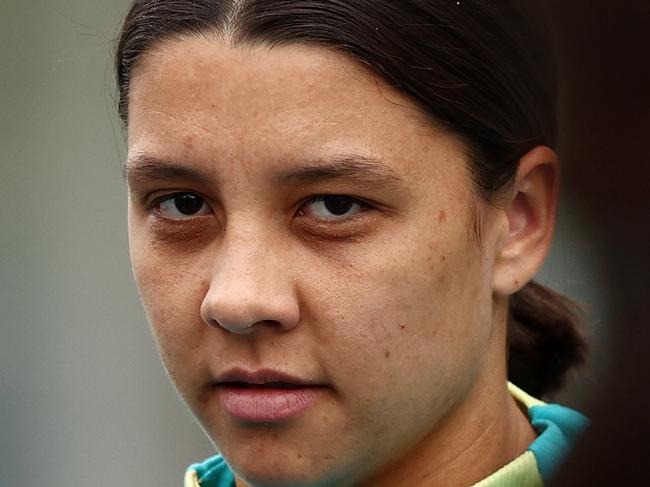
x=241, y=329
x=233, y=326
x=229, y=328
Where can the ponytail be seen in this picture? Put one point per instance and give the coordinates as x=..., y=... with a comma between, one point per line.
x=545, y=339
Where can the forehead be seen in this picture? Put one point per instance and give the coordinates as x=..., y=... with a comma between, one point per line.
x=200, y=72
x=278, y=103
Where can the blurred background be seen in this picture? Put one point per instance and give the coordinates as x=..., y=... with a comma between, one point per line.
x=84, y=399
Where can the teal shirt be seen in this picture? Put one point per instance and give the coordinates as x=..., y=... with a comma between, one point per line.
x=558, y=428
x=214, y=472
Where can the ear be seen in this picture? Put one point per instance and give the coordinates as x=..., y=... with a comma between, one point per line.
x=530, y=214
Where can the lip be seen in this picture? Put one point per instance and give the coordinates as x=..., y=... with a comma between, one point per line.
x=261, y=377
x=265, y=395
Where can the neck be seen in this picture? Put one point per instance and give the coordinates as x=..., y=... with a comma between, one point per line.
x=482, y=435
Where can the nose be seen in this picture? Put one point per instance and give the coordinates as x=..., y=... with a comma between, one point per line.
x=250, y=287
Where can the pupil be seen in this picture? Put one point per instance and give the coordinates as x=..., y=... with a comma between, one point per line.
x=338, y=205
x=188, y=204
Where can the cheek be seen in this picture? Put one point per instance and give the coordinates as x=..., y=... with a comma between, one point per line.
x=171, y=292
x=409, y=325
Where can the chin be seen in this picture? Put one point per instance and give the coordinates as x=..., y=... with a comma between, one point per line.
x=285, y=475
x=275, y=466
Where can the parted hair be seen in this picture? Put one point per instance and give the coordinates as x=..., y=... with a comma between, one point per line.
x=478, y=68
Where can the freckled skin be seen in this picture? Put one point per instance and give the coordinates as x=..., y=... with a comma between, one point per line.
x=394, y=312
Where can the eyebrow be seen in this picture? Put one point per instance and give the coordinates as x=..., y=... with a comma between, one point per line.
x=144, y=166
x=354, y=168
x=349, y=167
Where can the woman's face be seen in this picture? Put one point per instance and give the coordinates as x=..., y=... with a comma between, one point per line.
x=290, y=213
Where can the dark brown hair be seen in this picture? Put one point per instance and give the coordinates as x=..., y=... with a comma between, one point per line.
x=473, y=66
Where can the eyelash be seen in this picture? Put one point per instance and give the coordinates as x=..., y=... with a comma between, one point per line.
x=156, y=204
x=156, y=207
x=335, y=199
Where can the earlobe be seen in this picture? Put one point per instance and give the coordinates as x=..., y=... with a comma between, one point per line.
x=530, y=212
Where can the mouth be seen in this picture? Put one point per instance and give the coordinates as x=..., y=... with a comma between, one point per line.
x=265, y=396
x=267, y=385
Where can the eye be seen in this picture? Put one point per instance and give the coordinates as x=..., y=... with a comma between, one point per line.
x=332, y=207
x=182, y=206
